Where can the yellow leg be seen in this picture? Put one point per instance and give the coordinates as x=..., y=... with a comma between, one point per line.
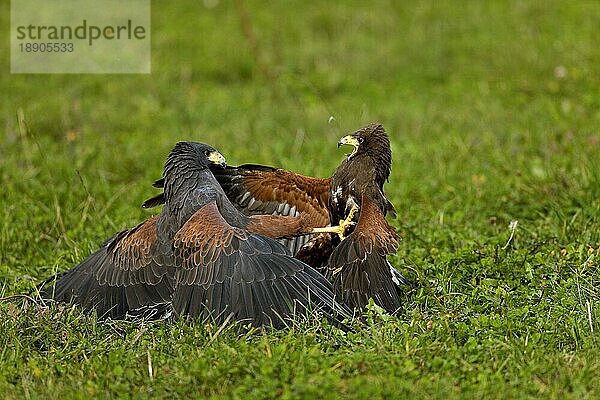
x=340, y=230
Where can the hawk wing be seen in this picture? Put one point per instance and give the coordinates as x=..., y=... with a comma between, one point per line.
x=258, y=189
x=358, y=266
x=129, y=275
x=227, y=272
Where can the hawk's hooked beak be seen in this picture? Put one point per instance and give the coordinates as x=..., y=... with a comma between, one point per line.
x=217, y=158
x=352, y=141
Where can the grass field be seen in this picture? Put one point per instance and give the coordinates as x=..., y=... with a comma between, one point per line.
x=494, y=113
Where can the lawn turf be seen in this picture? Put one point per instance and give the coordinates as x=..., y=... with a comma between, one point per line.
x=493, y=109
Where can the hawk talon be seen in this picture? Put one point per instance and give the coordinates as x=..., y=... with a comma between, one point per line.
x=348, y=221
x=344, y=224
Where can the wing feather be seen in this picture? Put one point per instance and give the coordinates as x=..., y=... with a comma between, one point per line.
x=257, y=189
x=259, y=281
x=121, y=277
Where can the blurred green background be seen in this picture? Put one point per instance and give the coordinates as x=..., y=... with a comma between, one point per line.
x=493, y=109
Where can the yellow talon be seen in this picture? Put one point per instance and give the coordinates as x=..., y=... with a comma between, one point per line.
x=344, y=224
x=339, y=230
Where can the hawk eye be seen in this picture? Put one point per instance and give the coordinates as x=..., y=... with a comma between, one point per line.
x=361, y=139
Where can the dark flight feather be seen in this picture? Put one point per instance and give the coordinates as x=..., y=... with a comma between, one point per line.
x=120, y=278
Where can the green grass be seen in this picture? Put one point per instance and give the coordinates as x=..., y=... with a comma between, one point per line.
x=486, y=129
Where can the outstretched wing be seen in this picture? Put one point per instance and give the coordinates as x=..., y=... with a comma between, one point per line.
x=129, y=275
x=358, y=266
x=226, y=272
x=258, y=189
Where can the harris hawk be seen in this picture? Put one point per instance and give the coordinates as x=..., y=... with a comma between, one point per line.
x=356, y=265
x=197, y=258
